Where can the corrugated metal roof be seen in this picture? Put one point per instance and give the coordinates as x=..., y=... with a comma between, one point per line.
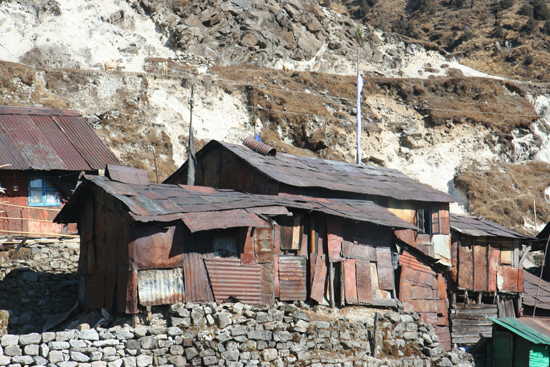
x=481, y=227
x=50, y=139
x=535, y=332
x=332, y=175
x=166, y=203
x=530, y=285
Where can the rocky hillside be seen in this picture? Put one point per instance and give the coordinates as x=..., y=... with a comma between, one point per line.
x=285, y=69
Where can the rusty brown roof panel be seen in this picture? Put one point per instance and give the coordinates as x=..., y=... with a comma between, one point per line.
x=203, y=221
x=60, y=143
x=338, y=176
x=30, y=143
x=9, y=154
x=86, y=142
x=146, y=206
x=51, y=139
x=292, y=278
x=531, y=283
x=481, y=227
x=127, y=174
x=230, y=280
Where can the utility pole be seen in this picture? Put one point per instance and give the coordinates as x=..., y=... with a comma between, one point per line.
x=191, y=159
x=360, y=43
x=153, y=150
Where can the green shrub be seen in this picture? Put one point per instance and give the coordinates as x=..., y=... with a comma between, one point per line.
x=546, y=28
x=498, y=32
x=530, y=26
x=540, y=10
x=528, y=60
x=527, y=10
x=505, y=4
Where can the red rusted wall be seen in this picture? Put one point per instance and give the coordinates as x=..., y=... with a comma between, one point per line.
x=16, y=185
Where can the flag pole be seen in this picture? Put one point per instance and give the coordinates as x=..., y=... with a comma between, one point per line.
x=360, y=42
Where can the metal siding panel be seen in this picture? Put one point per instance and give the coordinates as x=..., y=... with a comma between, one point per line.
x=231, y=280
x=334, y=235
x=197, y=288
x=385, y=268
x=465, y=267
x=480, y=267
x=95, y=291
x=127, y=175
x=364, y=282
x=61, y=144
x=350, y=281
x=510, y=279
x=292, y=278
x=31, y=143
x=263, y=245
x=494, y=259
x=319, y=279
x=86, y=142
x=160, y=286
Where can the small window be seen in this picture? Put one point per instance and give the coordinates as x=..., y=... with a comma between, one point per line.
x=428, y=223
x=43, y=192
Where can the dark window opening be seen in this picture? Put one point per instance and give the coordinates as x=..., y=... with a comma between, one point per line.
x=428, y=221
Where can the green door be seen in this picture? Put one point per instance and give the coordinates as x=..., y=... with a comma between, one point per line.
x=502, y=343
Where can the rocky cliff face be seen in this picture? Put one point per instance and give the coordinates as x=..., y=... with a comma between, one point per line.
x=283, y=69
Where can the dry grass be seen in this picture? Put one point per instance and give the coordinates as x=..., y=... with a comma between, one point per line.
x=504, y=193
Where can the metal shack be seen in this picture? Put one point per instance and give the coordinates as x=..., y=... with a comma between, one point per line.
x=257, y=168
x=158, y=244
x=486, y=278
x=519, y=343
x=42, y=153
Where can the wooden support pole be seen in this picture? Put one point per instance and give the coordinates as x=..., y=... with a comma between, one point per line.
x=331, y=284
x=40, y=234
x=29, y=207
x=342, y=285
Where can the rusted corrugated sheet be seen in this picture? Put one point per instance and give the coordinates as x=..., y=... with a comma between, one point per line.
x=385, y=268
x=269, y=210
x=160, y=286
x=351, y=281
x=231, y=280
x=292, y=278
x=259, y=147
x=195, y=277
x=494, y=259
x=31, y=143
x=60, y=144
x=334, y=237
x=43, y=143
x=88, y=144
x=127, y=175
x=263, y=245
x=222, y=219
x=352, y=250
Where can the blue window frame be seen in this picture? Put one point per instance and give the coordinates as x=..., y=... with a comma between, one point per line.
x=43, y=192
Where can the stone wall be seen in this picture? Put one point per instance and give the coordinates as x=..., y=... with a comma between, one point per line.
x=239, y=335
x=37, y=283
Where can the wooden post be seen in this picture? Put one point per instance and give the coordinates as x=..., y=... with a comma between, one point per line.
x=375, y=336
x=342, y=285
x=331, y=284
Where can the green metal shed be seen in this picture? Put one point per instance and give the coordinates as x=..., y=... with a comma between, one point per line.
x=520, y=343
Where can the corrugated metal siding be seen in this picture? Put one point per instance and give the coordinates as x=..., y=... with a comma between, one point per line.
x=539, y=356
x=197, y=287
x=231, y=280
x=84, y=139
x=60, y=143
x=160, y=286
x=292, y=278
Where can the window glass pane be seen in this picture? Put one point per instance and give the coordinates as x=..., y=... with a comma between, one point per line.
x=35, y=196
x=50, y=184
x=51, y=197
x=36, y=183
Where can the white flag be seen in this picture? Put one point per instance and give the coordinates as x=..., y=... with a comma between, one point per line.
x=360, y=82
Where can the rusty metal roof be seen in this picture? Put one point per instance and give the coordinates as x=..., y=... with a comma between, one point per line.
x=50, y=139
x=530, y=285
x=166, y=203
x=481, y=227
x=332, y=175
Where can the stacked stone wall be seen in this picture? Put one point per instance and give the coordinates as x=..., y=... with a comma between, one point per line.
x=239, y=335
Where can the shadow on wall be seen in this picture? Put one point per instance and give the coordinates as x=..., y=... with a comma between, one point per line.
x=30, y=300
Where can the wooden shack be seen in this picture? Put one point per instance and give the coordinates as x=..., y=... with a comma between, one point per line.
x=486, y=278
x=519, y=343
x=157, y=244
x=258, y=168
x=42, y=153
